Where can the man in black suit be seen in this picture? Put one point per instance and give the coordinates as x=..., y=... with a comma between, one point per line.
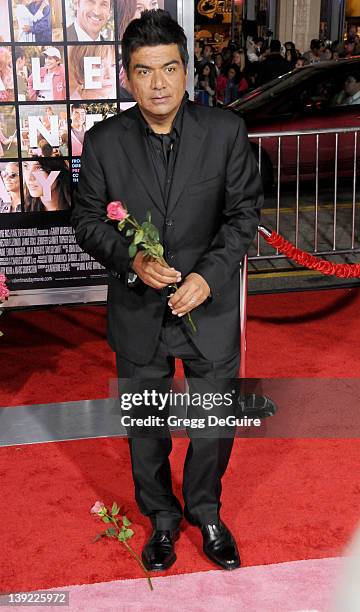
x=193, y=168
x=91, y=17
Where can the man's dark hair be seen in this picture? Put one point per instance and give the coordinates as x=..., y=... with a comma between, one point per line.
x=155, y=27
x=315, y=44
x=275, y=46
x=76, y=105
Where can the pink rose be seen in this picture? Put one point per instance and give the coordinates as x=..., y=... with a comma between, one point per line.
x=97, y=507
x=4, y=291
x=116, y=211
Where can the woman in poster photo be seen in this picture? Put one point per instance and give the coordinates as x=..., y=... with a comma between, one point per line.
x=5, y=140
x=106, y=80
x=24, y=19
x=6, y=75
x=4, y=22
x=53, y=196
x=127, y=10
x=11, y=180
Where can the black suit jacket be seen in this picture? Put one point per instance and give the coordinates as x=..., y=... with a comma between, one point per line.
x=71, y=34
x=210, y=221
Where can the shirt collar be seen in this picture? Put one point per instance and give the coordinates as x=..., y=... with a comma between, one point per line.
x=176, y=124
x=82, y=35
x=355, y=97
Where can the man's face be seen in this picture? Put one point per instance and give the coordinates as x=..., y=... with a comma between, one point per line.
x=157, y=79
x=79, y=116
x=51, y=62
x=207, y=51
x=352, y=86
x=145, y=5
x=92, y=15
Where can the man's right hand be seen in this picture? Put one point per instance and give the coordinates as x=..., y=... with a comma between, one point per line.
x=153, y=273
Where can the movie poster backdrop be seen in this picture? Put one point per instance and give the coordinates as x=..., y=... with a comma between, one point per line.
x=60, y=73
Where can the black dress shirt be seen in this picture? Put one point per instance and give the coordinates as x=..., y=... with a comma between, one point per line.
x=162, y=148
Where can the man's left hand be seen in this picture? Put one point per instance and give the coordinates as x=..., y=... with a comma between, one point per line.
x=191, y=294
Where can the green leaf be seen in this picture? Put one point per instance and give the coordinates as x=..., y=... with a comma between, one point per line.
x=159, y=250
x=128, y=533
x=126, y=521
x=115, y=509
x=138, y=237
x=132, y=250
x=106, y=519
x=121, y=536
x=130, y=232
x=111, y=531
x=148, y=216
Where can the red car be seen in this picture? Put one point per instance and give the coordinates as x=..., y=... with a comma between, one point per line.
x=319, y=96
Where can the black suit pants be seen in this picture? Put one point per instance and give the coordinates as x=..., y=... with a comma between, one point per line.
x=209, y=449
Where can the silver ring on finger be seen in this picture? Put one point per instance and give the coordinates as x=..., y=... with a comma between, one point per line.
x=192, y=301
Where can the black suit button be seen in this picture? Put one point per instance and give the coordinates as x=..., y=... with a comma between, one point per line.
x=171, y=255
x=169, y=222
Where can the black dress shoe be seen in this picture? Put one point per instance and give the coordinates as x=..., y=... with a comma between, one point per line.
x=158, y=553
x=256, y=406
x=220, y=546
x=218, y=543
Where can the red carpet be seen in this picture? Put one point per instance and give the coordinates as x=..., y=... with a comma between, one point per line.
x=60, y=354
x=294, y=500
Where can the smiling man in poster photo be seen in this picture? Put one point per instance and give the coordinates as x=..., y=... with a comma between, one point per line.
x=193, y=168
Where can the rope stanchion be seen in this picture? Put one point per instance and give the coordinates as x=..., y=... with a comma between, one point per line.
x=305, y=259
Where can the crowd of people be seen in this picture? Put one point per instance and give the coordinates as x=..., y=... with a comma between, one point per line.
x=222, y=77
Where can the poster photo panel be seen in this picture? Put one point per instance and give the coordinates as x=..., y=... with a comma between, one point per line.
x=37, y=21
x=43, y=130
x=40, y=73
x=7, y=93
x=10, y=193
x=127, y=10
x=5, y=35
x=89, y=20
x=8, y=132
x=46, y=185
x=83, y=116
x=92, y=72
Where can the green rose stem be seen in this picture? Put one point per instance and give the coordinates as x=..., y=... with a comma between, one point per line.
x=147, y=237
x=133, y=553
x=122, y=533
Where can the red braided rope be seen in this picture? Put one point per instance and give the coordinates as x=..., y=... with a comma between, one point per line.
x=310, y=261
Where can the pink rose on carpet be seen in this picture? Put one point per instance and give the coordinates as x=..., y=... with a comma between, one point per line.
x=97, y=507
x=116, y=211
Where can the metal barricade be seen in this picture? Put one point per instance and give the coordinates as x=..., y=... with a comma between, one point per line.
x=336, y=167
x=341, y=161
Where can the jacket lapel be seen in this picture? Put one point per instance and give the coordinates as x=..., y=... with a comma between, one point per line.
x=131, y=140
x=192, y=138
